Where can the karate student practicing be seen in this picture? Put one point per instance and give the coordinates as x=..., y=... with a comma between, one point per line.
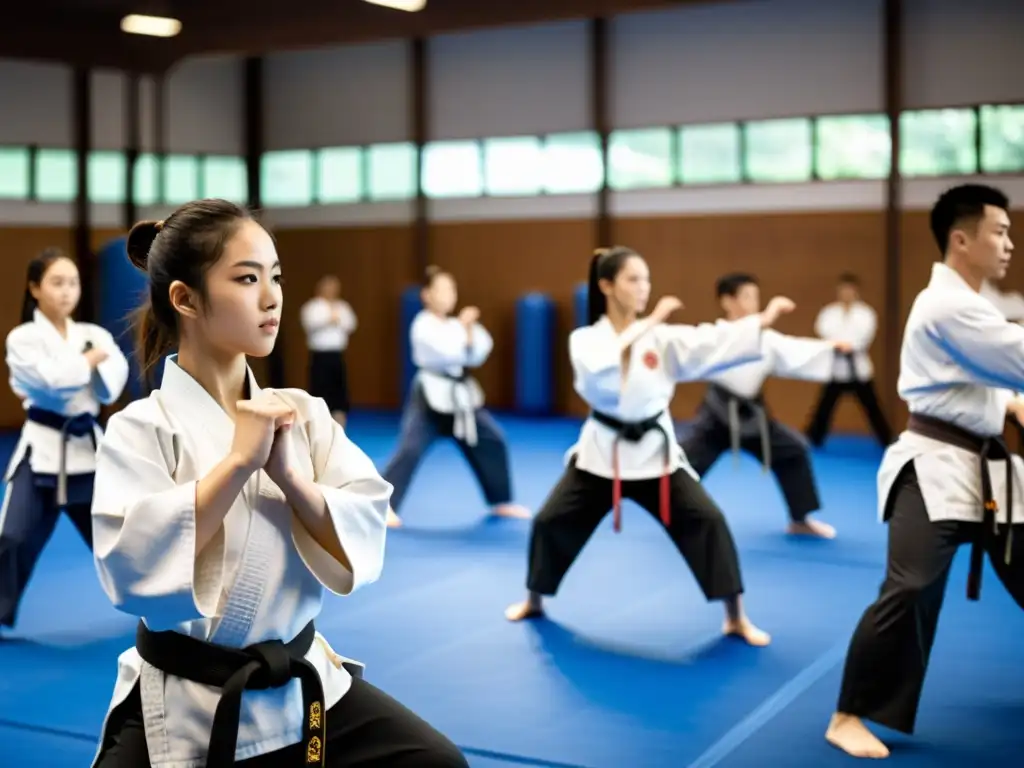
x=222, y=512
x=329, y=321
x=63, y=372
x=445, y=401
x=851, y=320
x=626, y=369
x=946, y=480
x=734, y=417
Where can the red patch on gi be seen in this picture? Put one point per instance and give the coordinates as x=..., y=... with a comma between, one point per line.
x=651, y=360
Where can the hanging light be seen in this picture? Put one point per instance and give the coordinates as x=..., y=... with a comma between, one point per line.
x=153, y=26
x=401, y=5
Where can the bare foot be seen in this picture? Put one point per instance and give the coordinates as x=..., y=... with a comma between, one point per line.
x=393, y=520
x=530, y=608
x=512, y=510
x=812, y=528
x=745, y=630
x=849, y=734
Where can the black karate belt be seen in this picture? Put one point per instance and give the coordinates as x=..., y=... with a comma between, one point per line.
x=79, y=425
x=633, y=432
x=985, y=448
x=456, y=380
x=740, y=408
x=271, y=664
x=851, y=363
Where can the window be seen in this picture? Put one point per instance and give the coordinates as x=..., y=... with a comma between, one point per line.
x=107, y=180
x=1002, y=139
x=938, y=142
x=393, y=173
x=710, y=154
x=640, y=158
x=286, y=178
x=225, y=177
x=14, y=173
x=452, y=169
x=181, y=179
x=853, y=147
x=339, y=175
x=513, y=166
x=147, y=179
x=573, y=163
x=56, y=175
x=779, y=150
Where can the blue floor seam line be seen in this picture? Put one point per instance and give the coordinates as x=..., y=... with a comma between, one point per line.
x=500, y=756
x=772, y=706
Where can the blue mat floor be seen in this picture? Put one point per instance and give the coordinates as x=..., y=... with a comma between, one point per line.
x=629, y=672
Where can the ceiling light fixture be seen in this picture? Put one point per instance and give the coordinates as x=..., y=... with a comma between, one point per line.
x=153, y=26
x=401, y=5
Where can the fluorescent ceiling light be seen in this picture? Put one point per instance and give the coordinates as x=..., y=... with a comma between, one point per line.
x=401, y=5
x=154, y=26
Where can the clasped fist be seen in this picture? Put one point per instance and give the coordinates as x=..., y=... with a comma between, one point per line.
x=469, y=315
x=258, y=423
x=778, y=306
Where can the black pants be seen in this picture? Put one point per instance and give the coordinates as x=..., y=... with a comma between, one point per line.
x=328, y=378
x=29, y=519
x=366, y=729
x=790, y=463
x=864, y=391
x=888, y=656
x=580, y=501
x=421, y=426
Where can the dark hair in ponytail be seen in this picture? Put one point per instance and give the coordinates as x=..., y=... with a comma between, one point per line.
x=37, y=269
x=180, y=248
x=604, y=265
x=430, y=274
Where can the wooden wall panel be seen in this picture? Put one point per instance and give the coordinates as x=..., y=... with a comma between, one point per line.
x=375, y=264
x=796, y=254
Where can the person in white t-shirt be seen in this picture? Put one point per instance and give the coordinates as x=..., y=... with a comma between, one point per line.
x=329, y=321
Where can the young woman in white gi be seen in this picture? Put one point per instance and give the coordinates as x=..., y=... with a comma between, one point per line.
x=222, y=513
x=733, y=415
x=853, y=320
x=947, y=480
x=445, y=401
x=329, y=321
x=626, y=369
x=63, y=372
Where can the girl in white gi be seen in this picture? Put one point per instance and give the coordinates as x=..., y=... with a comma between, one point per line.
x=947, y=480
x=445, y=401
x=853, y=320
x=221, y=514
x=63, y=372
x=329, y=321
x=733, y=415
x=626, y=370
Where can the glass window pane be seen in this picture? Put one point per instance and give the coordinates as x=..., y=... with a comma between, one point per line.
x=14, y=173
x=452, y=169
x=181, y=179
x=107, y=180
x=286, y=178
x=853, y=147
x=340, y=175
x=779, y=150
x=513, y=166
x=392, y=171
x=1002, y=139
x=938, y=142
x=640, y=158
x=573, y=163
x=147, y=179
x=710, y=154
x=226, y=177
x=56, y=175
